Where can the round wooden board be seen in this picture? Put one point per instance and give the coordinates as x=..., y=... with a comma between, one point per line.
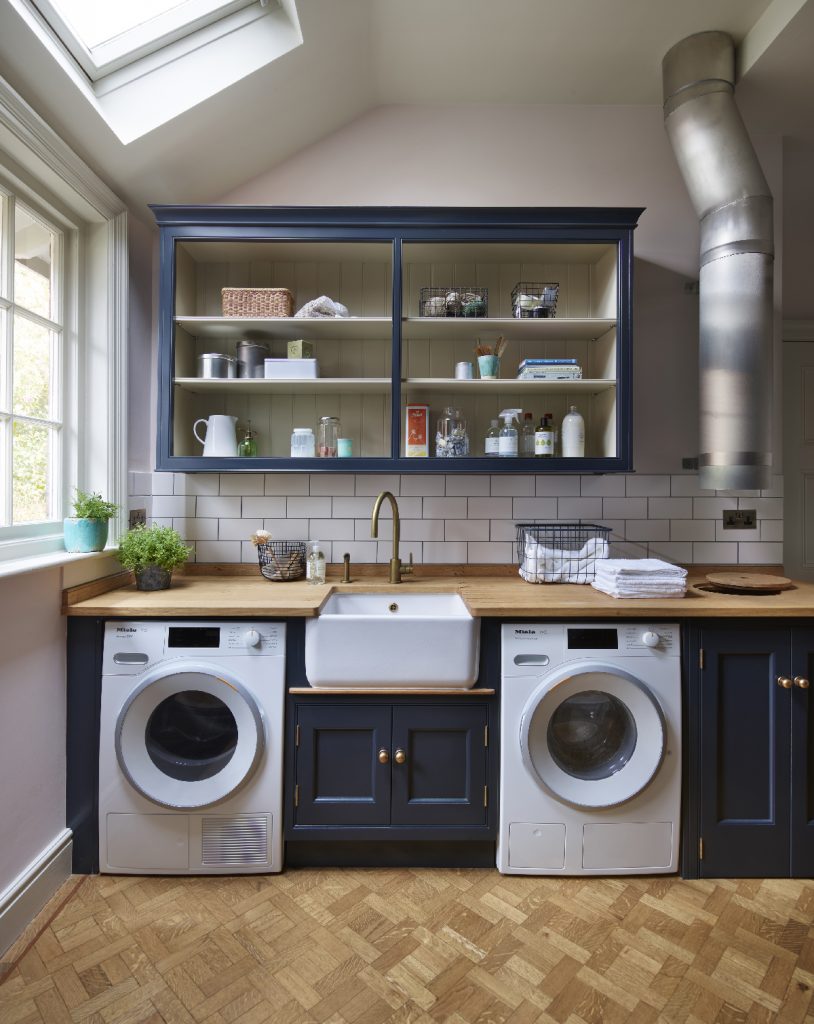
x=748, y=582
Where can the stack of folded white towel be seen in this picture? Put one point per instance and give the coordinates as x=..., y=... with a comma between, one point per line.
x=542, y=564
x=640, y=577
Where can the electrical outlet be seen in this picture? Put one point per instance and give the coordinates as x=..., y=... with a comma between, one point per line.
x=740, y=519
x=138, y=517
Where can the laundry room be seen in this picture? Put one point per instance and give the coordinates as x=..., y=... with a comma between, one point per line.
x=406, y=574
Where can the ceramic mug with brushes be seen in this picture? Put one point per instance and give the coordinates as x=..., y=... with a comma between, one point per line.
x=489, y=359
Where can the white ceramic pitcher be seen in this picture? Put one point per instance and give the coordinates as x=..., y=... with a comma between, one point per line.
x=221, y=435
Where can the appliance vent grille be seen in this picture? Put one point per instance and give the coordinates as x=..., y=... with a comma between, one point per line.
x=242, y=840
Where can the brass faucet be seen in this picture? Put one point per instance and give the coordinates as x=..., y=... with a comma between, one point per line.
x=397, y=570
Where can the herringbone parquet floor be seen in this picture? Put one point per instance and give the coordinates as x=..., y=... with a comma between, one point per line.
x=352, y=946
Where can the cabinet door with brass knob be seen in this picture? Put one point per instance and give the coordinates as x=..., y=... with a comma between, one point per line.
x=342, y=764
x=756, y=766
x=802, y=752
x=440, y=771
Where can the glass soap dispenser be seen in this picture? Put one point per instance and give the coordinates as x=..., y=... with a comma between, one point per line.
x=315, y=564
x=248, y=445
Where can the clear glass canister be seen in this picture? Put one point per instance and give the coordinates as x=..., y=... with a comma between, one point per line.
x=451, y=438
x=327, y=437
x=302, y=443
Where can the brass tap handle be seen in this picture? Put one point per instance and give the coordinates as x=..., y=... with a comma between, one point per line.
x=399, y=757
x=346, y=570
x=801, y=683
x=384, y=757
x=407, y=569
x=784, y=681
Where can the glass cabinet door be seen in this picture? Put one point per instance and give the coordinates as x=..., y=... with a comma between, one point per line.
x=242, y=354
x=550, y=309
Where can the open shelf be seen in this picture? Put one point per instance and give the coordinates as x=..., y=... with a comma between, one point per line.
x=554, y=329
x=220, y=328
x=451, y=386
x=299, y=386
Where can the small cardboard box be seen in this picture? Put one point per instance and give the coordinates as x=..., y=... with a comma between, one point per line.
x=417, y=432
x=300, y=349
x=290, y=369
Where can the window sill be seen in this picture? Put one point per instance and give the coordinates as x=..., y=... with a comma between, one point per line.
x=49, y=560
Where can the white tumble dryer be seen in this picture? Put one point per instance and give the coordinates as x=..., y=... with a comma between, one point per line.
x=590, y=757
x=191, y=747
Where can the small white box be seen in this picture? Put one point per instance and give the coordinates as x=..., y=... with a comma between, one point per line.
x=290, y=369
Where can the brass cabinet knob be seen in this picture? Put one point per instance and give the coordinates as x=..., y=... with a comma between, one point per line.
x=384, y=757
x=801, y=682
x=399, y=757
x=784, y=681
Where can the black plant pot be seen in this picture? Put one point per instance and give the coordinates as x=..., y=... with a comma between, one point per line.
x=153, y=577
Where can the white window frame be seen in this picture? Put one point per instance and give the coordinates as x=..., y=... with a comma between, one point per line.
x=145, y=38
x=59, y=324
x=59, y=187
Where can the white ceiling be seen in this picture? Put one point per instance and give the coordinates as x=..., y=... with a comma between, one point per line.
x=360, y=54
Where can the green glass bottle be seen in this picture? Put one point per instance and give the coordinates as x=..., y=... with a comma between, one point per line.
x=248, y=446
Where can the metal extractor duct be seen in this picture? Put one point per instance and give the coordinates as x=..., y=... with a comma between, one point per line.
x=733, y=202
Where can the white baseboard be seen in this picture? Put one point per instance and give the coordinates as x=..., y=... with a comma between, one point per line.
x=21, y=901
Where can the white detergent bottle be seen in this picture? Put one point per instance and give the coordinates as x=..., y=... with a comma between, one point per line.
x=573, y=435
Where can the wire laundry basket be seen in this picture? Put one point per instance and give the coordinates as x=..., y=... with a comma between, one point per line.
x=282, y=560
x=560, y=552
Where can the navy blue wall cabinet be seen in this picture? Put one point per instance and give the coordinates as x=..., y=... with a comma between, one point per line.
x=395, y=269
x=749, y=733
x=375, y=768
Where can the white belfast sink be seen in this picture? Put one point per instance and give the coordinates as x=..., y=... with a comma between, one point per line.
x=392, y=640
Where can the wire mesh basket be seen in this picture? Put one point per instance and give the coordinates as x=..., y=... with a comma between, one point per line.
x=282, y=560
x=536, y=299
x=454, y=300
x=560, y=552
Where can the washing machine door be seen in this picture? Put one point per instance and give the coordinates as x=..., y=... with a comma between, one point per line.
x=189, y=735
x=593, y=735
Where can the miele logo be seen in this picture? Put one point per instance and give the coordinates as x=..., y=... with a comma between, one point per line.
x=525, y=632
x=125, y=629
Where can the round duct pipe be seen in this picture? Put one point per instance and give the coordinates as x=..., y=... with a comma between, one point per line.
x=734, y=204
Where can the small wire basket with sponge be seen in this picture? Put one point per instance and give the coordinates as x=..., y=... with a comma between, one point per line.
x=280, y=560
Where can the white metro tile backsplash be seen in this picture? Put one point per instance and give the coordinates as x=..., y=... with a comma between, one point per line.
x=457, y=518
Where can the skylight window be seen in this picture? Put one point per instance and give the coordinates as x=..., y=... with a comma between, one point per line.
x=141, y=63
x=104, y=35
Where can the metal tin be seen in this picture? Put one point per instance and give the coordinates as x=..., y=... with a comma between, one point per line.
x=251, y=358
x=216, y=365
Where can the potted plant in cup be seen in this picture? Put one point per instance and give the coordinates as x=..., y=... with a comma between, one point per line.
x=152, y=552
x=86, y=530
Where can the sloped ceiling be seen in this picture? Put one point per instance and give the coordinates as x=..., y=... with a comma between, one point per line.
x=360, y=54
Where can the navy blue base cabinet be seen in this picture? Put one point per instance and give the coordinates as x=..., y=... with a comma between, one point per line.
x=749, y=733
x=376, y=769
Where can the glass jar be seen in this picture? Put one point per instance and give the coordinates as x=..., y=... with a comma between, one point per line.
x=327, y=437
x=451, y=438
x=302, y=443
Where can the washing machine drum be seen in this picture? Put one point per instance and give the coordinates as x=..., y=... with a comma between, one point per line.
x=593, y=735
x=188, y=737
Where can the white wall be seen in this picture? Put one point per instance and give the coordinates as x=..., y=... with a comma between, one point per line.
x=32, y=719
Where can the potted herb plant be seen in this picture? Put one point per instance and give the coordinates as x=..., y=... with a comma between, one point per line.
x=86, y=530
x=152, y=552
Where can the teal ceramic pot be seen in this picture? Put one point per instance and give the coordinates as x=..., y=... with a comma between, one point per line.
x=153, y=577
x=83, y=535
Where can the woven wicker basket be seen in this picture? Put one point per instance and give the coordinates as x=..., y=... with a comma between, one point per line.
x=257, y=302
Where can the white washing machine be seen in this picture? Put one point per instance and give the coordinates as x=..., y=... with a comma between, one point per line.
x=590, y=756
x=191, y=748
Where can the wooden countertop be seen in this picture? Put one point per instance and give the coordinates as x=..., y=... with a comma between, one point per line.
x=500, y=596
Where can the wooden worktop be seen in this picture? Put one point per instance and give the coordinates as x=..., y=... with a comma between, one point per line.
x=499, y=596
